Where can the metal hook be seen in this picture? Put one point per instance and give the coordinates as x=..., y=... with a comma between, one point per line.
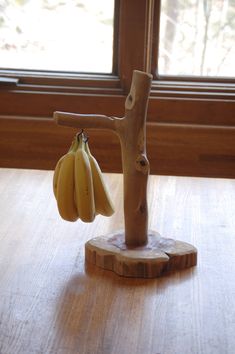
x=86, y=138
x=80, y=133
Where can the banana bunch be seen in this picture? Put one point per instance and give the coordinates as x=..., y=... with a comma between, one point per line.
x=78, y=184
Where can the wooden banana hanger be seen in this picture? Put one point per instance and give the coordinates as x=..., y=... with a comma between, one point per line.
x=136, y=251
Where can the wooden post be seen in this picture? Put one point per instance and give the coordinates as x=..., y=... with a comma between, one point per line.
x=134, y=160
x=136, y=252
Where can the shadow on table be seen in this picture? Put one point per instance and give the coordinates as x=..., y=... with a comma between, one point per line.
x=95, y=303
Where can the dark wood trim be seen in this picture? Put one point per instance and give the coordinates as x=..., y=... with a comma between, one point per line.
x=116, y=35
x=133, y=30
x=201, y=111
x=188, y=87
x=61, y=79
x=174, y=149
x=161, y=108
x=150, y=33
x=195, y=78
x=194, y=89
x=43, y=104
x=191, y=92
x=192, y=150
x=164, y=106
x=155, y=38
x=65, y=90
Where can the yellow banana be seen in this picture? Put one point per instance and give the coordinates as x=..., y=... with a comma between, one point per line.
x=103, y=202
x=73, y=146
x=84, y=193
x=64, y=185
x=56, y=175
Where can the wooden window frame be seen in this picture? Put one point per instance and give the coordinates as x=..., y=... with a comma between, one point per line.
x=39, y=93
x=197, y=92
x=184, y=115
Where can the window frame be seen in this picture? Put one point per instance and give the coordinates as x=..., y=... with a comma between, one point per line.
x=212, y=84
x=188, y=124
x=32, y=89
x=131, y=20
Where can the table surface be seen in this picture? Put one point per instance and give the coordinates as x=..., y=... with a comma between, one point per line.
x=51, y=302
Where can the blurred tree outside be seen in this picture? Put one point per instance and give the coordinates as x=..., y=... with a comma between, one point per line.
x=197, y=37
x=73, y=35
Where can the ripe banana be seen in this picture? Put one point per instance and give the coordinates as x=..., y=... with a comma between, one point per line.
x=103, y=202
x=56, y=175
x=73, y=147
x=78, y=184
x=63, y=185
x=84, y=192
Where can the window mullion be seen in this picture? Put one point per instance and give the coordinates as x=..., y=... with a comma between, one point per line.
x=155, y=37
x=133, y=36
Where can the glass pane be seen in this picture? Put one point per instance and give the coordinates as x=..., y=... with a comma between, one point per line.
x=197, y=37
x=73, y=35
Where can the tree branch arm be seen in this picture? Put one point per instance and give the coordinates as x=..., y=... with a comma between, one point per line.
x=86, y=121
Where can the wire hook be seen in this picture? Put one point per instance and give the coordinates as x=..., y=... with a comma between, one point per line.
x=85, y=137
x=79, y=133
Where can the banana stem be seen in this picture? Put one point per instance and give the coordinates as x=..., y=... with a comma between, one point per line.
x=131, y=130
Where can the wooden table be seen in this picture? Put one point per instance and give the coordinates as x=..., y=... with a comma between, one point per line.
x=50, y=302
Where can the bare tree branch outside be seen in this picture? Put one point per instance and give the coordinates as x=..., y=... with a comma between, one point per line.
x=197, y=37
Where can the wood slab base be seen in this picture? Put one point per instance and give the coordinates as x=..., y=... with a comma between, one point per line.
x=160, y=255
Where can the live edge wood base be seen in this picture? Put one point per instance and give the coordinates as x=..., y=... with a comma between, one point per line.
x=158, y=256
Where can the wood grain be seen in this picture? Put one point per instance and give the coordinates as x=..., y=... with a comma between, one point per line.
x=52, y=304
x=173, y=149
x=154, y=259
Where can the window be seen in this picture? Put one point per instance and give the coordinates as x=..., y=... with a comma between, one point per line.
x=191, y=102
x=189, y=86
x=197, y=38
x=72, y=36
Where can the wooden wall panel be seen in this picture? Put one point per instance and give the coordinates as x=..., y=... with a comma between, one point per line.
x=160, y=110
x=191, y=111
x=43, y=104
x=192, y=150
x=173, y=149
x=39, y=142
